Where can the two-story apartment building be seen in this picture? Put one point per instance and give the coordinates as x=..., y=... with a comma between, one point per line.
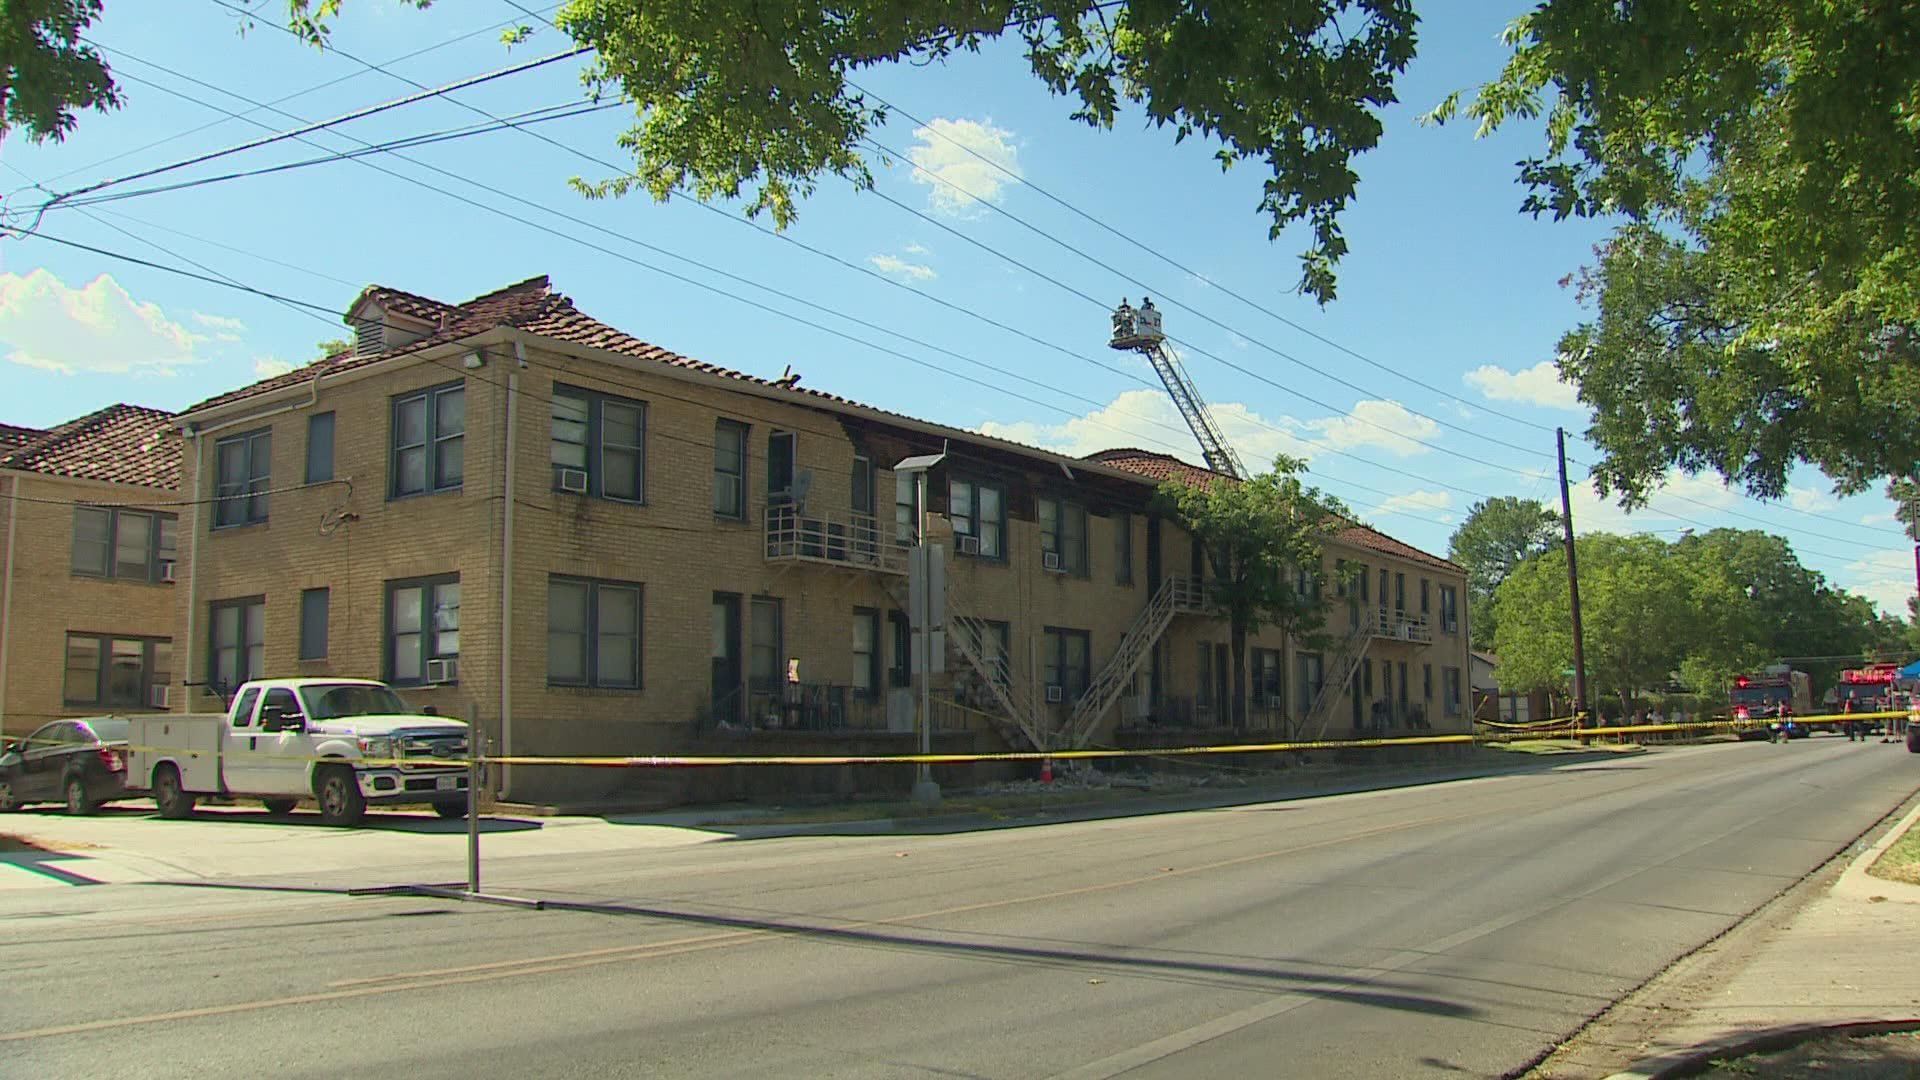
x=87, y=565
x=588, y=544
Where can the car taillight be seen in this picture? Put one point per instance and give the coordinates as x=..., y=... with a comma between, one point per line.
x=112, y=760
x=1741, y=713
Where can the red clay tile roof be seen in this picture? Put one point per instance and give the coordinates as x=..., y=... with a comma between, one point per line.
x=1162, y=467
x=121, y=444
x=13, y=437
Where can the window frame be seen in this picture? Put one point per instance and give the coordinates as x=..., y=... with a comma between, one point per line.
x=972, y=518
x=251, y=609
x=304, y=646
x=1060, y=539
x=592, y=636
x=1055, y=657
x=319, y=471
x=870, y=617
x=159, y=524
x=248, y=492
x=1122, y=548
x=429, y=398
x=1260, y=663
x=742, y=431
x=775, y=681
x=429, y=634
x=594, y=449
x=1449, y=610
x=103, y=670
x=1451, y=691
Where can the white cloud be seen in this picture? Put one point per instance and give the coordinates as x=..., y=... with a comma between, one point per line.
x=915, y=249
x=1879, y=517
x=1538, y=385
x=1429, y=505
x=901, y=268
x=219, y=322
x=1884, y=577
x=1676, y=505
x=97, y=329
x=268, y=366
x=1147, y=419
x=956, y=178
x=1809, y=499
x=1385, y=425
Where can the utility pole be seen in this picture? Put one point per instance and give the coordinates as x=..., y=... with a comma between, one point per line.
x=1573, y=582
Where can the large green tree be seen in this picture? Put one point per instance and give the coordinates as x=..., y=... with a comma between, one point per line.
x=1760, y=304
x=1498, y=534
x=46, y=71
x=1255, y=535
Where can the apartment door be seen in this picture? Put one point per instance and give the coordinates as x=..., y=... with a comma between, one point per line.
x=1402, y=713
x=724, y=690
x=1383, y=598
x=1399, y=594
x=1223, y=681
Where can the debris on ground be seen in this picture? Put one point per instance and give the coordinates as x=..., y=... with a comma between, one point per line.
x=1091, y=780
x=1873, y=1057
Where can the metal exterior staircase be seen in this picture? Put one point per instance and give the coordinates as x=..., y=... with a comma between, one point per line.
x=1335, y=676
x=1022, y=720
x=1177, y=595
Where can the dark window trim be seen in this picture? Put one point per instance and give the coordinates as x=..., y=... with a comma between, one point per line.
x=973, y=516
x=592, y=678
x=1062, y=508
x=302, y=644
x=1047, y=633
x=156, y=553
x=744, y=432
x=427, y=629
x=875, y=643
x=214, y=608
x=596, y=467
x=104, y=643
x=324, y=472
x=245, y=494
x=1123, y=548
x=777, y=680
x=431, y=448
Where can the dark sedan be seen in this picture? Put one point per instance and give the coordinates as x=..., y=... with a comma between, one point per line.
x=81, y=763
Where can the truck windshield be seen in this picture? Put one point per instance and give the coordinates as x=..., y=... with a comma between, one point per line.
x=339, y=700
x=1761, y=695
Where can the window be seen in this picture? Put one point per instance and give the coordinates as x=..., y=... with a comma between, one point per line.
x=243, y=467
x=117, y=672
x=862, y=486
x=1360, y=573
x=866, y=652
x=1123, y=549
x=979, y=510
x=1306, y=583
x=423, y=623
x=599, y=442
x=1204, y=699
x=593, y=633
x=319, y=448
x=429, y=441
x=1425, y=588
x=1426, y=682
x=314, y=605
x=1266, y=678
x=1063, y=532
x=1339, y=577
x=1399, y=592
x=129, y=545
x=239, y=652
x=1067, y=656
x=782, y=451
x=900, y=671
x=1311, y=667
x=730, y=469
x=906, y=509
x=1366, y=678
x=764, y=670
x=1449, y=609
x=1453, y=688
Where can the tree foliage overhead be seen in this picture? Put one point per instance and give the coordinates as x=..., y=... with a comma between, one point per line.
x=1761, y=304
x=1498, y=534
x=1255, y=535
x=46, y=72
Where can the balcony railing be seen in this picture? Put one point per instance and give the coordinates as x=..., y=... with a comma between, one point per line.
x=797, y=534
x=1397, y=626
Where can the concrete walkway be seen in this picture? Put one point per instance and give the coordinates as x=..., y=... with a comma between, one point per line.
x=1848, y=958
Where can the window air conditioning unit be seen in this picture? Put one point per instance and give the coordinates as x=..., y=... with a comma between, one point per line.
x=573, y=480
x=1055, y=695
x=1050, y=562
x=443, y=671
x=969, y=545
x=157, y=697
x=1275, y=701
x=166, y=570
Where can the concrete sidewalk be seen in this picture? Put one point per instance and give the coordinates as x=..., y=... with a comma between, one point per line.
x=1847, y=959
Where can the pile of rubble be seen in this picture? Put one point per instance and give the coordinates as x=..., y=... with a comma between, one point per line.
x=1082, y=778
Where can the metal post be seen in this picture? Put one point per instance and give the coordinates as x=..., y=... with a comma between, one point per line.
x=473, y=809
x=924, y=789
x=1573, y=584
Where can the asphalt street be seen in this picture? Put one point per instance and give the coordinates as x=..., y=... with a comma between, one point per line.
x=1454, y=929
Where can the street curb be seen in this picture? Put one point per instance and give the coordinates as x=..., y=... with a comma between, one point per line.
x=1700, y=1058
x=1857, y=883
x=938, y=824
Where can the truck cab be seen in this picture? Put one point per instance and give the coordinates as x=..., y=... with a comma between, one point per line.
x=345, y=743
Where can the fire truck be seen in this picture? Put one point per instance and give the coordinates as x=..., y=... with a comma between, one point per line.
x=1867, y=690
x=1774, y=696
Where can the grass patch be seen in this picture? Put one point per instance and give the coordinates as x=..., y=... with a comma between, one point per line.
x=1563, y=746
x=991, y=805
x=1901, y=862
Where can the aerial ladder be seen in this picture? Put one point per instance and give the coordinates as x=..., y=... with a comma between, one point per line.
x=1138, y=330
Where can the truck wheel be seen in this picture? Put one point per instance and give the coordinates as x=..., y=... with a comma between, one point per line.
x=339, y=796
x=79, y=802
x=451, y=809
x=279, y=807
x=1913, y=743
x=173, y=801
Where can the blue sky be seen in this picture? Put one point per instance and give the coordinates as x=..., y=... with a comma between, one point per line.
x=1447, y=285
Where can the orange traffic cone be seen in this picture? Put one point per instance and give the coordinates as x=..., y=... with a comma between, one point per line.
x=1046, y=770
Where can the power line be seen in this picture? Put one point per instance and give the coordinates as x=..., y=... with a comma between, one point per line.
x=21, y=233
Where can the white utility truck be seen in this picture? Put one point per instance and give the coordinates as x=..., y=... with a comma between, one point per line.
x=345, y=743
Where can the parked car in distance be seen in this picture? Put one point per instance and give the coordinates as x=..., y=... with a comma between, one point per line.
x=79, y=762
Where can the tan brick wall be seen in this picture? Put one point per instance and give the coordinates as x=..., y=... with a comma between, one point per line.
x=672, y=546
x=49, y=600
